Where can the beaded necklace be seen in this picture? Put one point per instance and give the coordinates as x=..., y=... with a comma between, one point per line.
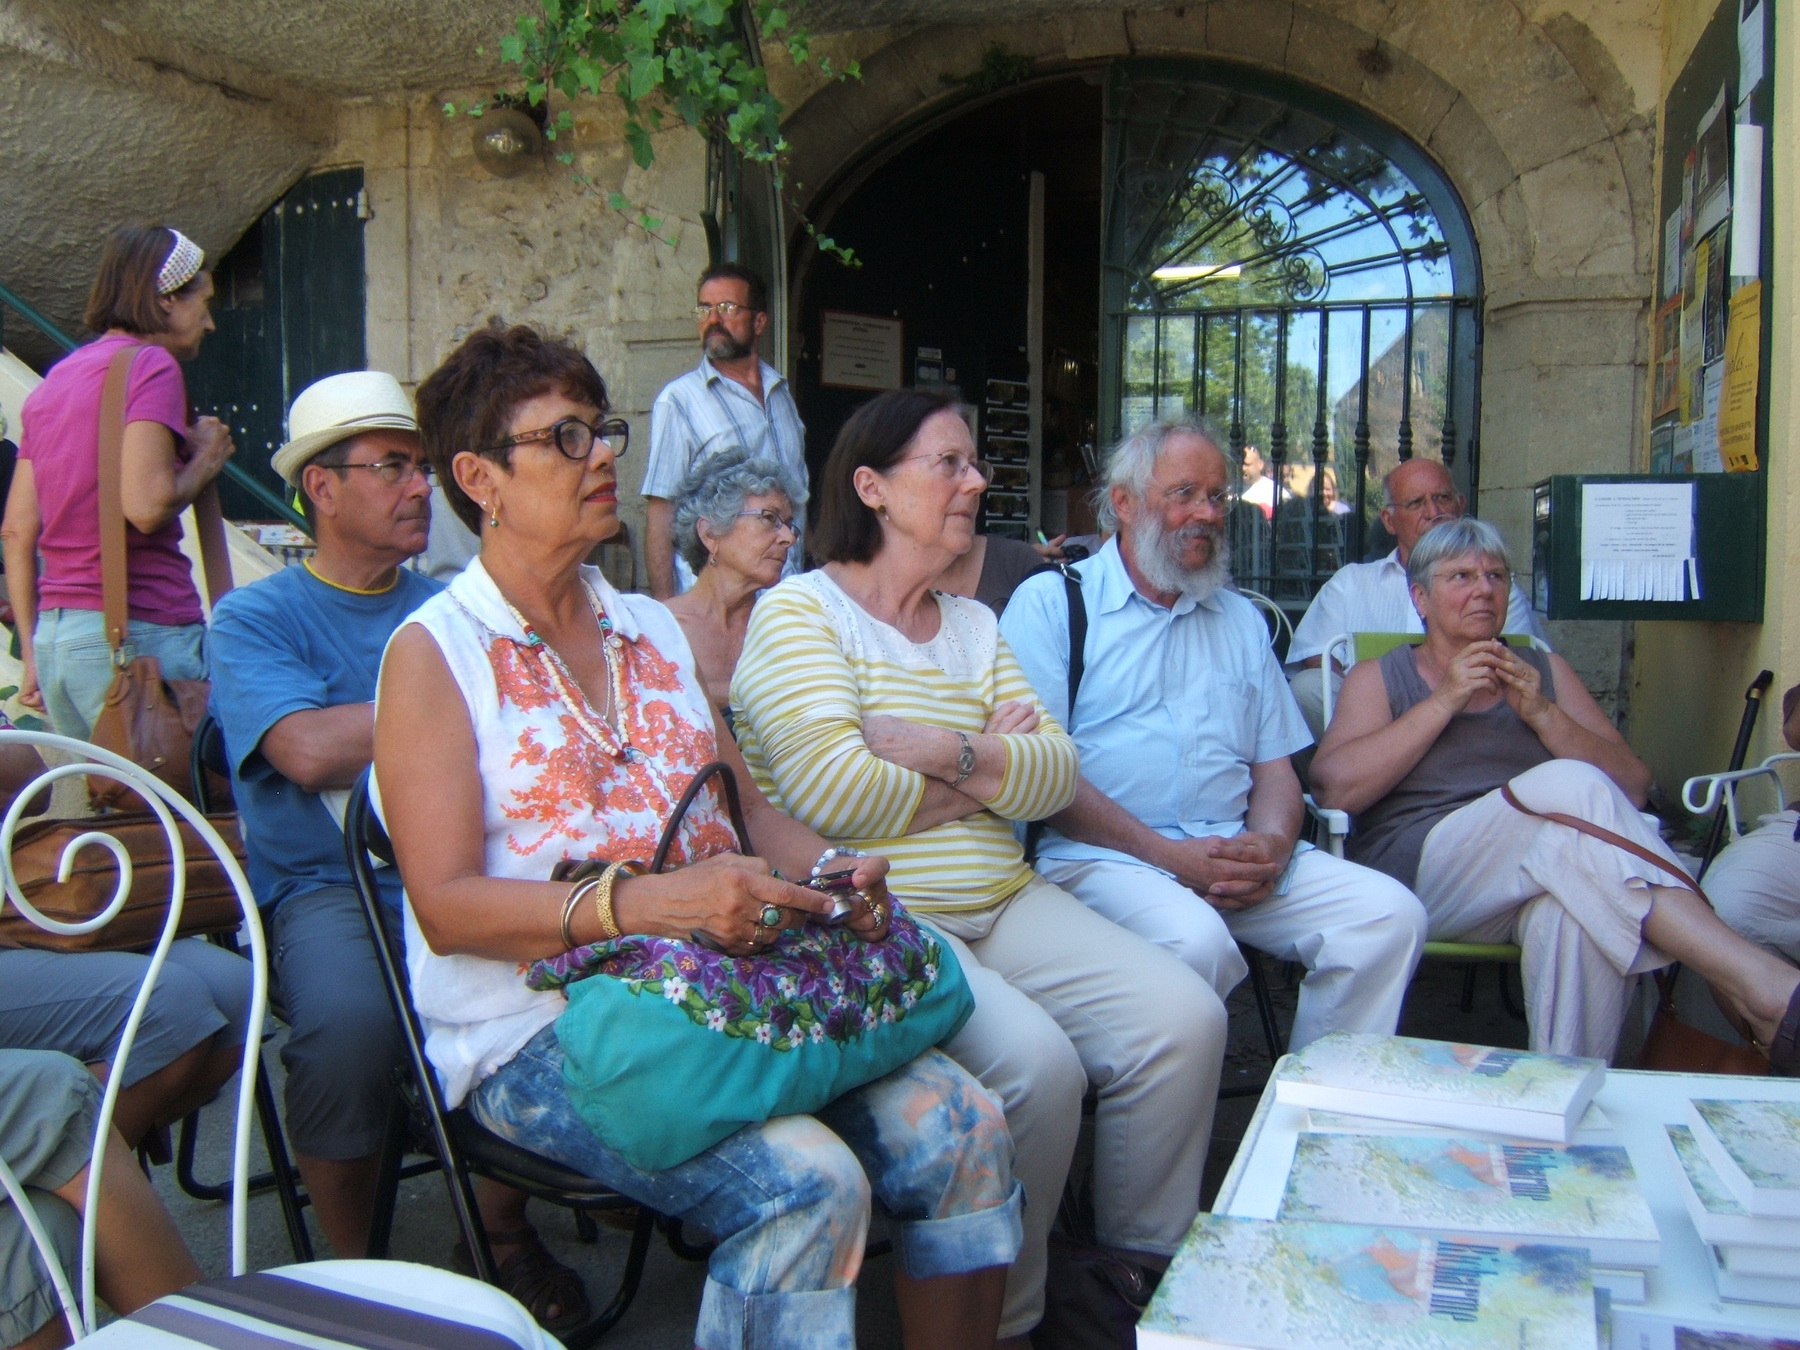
x=599, y=730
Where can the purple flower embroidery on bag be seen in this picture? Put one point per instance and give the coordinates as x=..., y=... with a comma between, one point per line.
x=814, y=985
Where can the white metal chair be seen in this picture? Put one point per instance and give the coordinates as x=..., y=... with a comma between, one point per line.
x=309, y=1299
x=1726, y=786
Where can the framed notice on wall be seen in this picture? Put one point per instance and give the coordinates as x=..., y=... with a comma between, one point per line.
x=860, y=351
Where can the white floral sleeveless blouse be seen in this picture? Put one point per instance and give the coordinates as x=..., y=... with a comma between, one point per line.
x=557, y=783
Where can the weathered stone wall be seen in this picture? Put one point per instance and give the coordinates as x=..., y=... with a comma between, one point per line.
x=449, y=247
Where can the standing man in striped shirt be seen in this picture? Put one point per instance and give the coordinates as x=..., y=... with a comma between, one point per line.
x=732, y=400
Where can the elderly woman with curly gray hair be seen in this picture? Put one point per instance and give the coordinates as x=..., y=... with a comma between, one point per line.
x=735, y=521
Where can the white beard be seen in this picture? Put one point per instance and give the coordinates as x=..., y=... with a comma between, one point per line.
x=1156, y=553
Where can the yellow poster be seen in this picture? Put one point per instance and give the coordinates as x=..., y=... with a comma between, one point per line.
x=1743, y=360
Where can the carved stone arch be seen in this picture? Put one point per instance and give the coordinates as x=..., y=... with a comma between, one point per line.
x=1550, y=154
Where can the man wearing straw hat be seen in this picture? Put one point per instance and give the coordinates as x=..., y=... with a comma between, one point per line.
x=295, y=660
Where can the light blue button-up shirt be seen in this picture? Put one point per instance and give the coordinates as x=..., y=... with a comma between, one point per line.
x=702, y=414
x=1175, y=704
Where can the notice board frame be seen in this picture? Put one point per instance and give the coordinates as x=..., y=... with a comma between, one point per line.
x=1729, y=521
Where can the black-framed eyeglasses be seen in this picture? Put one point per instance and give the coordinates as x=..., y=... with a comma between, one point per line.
x=395, y=470
x=575, y=438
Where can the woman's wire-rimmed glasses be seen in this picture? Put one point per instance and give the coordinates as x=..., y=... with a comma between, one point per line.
x=953, y=466
x=776, y=523
x=575, y=438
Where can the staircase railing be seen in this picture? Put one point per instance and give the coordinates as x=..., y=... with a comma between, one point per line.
x=237, y=475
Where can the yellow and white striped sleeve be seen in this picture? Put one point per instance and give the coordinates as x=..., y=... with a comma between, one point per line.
x=1041, y=766
x=797, y=697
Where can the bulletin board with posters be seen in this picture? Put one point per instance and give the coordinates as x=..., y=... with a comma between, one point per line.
x=1709, y=346
x=1686, y=541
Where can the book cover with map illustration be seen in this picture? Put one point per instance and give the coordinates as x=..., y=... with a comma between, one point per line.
x=1718, y=1216
x=1257, y=1284
x=1471, y=1087
x=1580, y=1194
x=1754, y=1146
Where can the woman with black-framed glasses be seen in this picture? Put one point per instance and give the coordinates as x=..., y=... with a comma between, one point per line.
x=736, y=521
x=531, y=714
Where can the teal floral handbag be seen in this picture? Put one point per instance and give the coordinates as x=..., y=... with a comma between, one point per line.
x=670, y=1046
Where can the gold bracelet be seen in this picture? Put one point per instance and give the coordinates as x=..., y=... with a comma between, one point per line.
x=603, y=894
x=573, y=899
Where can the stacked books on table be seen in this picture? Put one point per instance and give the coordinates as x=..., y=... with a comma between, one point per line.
x=1278, y=1285
x=1739, y=1167
x=1462, y=1215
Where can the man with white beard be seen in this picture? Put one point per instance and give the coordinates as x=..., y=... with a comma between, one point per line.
x=1185, y=823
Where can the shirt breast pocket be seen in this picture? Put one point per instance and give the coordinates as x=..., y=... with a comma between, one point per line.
x=1232, y=720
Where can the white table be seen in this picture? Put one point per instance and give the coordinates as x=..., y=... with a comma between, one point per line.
x=1637, y=1105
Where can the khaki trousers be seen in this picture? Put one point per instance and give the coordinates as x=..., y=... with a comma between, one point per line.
x=1064, y=999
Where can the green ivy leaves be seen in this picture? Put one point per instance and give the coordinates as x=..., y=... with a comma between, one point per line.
x=692, y=60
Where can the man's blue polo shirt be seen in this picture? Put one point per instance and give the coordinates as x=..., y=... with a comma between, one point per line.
x=286, y=644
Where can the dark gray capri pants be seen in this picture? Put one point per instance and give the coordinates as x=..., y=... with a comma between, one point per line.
x=78, y=1002
x=49, y=1106
x=343, y=1042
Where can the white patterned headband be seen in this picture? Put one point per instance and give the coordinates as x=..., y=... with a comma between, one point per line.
x=181, y=266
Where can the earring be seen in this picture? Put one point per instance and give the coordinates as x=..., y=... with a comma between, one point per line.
x=494, y=515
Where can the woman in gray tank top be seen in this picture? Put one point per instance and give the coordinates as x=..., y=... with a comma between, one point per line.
x=1425, y=745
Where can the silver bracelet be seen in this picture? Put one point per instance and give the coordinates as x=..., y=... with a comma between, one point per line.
x=818, y=868
x=965, y=760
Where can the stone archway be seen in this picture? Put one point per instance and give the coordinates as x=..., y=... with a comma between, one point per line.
x=1549, y=144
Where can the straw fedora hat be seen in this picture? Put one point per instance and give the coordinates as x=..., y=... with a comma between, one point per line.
x=336, y=408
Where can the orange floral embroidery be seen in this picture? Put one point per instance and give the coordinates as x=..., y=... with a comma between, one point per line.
x=580, y=792
x=518, y=675
x=647, y=668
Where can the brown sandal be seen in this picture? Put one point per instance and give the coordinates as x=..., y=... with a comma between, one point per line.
x=534, y=1277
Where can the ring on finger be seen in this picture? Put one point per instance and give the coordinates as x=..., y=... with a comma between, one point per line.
x=771, y=917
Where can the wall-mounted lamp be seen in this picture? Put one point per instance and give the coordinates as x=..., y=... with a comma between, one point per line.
x=507, y=141
x=1198, y=272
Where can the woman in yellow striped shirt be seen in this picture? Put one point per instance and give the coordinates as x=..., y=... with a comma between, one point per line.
x=891, y=717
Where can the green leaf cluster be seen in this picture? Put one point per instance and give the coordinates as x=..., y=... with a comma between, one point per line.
x=695, y=62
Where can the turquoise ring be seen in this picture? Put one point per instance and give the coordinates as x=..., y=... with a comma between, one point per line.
x=771, y=917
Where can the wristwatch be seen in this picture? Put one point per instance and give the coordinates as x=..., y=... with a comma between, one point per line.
x=965, y=760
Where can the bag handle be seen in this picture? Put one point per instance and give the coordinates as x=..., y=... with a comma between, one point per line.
x=209, y=521
x=728, y=785
x=1606, y=836
x=1665, y=986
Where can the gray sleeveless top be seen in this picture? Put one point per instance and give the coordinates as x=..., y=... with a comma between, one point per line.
x=1472, y=756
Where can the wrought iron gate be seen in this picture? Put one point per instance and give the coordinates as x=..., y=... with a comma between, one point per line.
x=1302, y=277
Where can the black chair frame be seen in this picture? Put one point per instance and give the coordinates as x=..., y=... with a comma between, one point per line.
x=209, y=757
x=460, y=1144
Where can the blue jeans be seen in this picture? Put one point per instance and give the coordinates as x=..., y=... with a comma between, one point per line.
x=75, y=666
x=788, y=1199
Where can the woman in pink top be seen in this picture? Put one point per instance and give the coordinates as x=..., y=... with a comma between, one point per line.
x=153, y=292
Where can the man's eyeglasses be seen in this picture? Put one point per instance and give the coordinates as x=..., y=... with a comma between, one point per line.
x=395, y=470
x=1184, y=494
x=776, y=523
x=575, y=438
x=725, y=309
x=953, y=466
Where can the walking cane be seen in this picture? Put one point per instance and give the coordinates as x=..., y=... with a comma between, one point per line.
x=1753, y=697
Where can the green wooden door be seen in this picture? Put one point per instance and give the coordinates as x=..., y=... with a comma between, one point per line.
x=290, y=310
